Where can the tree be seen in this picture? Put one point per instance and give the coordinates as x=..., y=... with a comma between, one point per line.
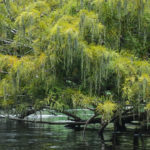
x=69, y=54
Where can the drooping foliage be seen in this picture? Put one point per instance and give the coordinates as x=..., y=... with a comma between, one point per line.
x=74, y=53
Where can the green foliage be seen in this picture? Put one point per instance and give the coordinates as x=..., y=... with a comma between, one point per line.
x=126, y=23
x=137, y=89
x=107, y=110
x=71, y=53
x=90, y=28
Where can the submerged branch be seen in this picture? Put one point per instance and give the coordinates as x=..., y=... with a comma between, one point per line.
x=52, y=123
x=87, y=122
x=104, y=125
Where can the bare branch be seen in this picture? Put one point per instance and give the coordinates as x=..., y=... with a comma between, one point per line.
x=87, y=122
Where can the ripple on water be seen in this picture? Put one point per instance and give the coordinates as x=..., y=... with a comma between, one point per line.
x=16, y=136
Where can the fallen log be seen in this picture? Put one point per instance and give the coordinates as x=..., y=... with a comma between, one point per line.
x=82, y=122
x=33, y=111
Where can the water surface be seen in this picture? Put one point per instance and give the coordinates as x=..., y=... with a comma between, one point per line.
x=28, y=136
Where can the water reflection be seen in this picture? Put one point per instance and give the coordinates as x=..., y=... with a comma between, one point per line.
x=23, y=136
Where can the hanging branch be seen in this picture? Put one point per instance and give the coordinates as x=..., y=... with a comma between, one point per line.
x=8, y=11
x=87, y=122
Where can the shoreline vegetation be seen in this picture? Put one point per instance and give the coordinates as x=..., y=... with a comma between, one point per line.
x=69, y=54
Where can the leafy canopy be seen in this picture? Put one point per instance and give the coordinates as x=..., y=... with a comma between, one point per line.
x=74, y=53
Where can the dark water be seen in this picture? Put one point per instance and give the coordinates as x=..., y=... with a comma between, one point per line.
x=28, y=136
x=20, y=136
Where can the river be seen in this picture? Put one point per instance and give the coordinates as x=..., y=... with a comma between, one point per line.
x=28, y=136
